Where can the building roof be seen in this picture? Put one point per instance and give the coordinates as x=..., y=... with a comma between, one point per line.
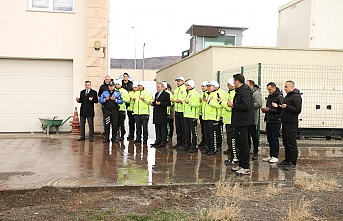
x=208, y=30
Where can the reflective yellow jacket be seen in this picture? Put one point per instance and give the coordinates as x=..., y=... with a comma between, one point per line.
x=191, y=110
x=142, y=107
x=180, y=94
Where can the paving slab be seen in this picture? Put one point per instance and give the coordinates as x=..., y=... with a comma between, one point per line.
x=34, y=161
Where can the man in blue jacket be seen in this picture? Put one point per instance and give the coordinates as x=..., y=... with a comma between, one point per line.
x=110, y=100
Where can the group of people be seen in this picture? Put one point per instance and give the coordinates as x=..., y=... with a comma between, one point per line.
x=237, y=108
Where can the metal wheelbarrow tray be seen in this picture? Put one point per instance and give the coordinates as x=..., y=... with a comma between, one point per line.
x=52, y=122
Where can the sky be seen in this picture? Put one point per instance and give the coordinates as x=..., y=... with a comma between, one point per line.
x=162, y=24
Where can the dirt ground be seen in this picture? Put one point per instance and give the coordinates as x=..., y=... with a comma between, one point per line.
x=316, y=198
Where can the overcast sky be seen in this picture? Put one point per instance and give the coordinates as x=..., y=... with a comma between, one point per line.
x=162, y=24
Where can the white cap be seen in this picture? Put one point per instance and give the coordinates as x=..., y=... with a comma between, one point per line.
x=190, y=83
x=216, y=84
x=180, y=78
x=134, y=84
x=140, y=83
x=118, y=81
x=204, y=83
x=210, y=83
x=230, y=82
x=164, y=84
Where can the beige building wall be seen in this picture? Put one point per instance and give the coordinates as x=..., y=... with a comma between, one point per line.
x=204, y=65
x=32, y=34
x=294, y=27
x=135, y=74
x=311, y=24
x=327, y=17
x=96, y=69
x=45, y=35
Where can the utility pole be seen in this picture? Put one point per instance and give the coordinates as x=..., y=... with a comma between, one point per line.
x=143, y=59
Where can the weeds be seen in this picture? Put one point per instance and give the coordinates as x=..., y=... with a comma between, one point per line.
x=316, y=183
x=299, y=211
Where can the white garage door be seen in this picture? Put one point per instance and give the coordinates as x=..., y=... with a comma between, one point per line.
x=31, y=89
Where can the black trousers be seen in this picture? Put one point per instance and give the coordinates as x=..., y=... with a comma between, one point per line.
x=230, y=140
x=90, y=121
x=180, y=128
x=241, y=138
x=191, y=132
x=111, y=119
x=203, y=138
x=210, y=130
x=252, y=135
x=289, y=133
x=121, y=123
x=170, y=127
x=220, y=134
x=273, y=130
x=131, y=123
x=161, y=133
x=141, y=123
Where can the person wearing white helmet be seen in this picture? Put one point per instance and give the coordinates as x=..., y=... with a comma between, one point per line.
x=130, y=112
x=202, y=97
x=178, y=100
x=230, y=132
x=170, y=112
x=211, y=116
x=220, y=135
x=191, y=115
x=122, y=108
x=141, y=109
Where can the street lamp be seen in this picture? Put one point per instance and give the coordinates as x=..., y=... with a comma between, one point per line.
x=143, y=59
x=135, y=47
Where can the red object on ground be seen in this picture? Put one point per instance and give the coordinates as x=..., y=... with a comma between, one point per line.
x=75, y=124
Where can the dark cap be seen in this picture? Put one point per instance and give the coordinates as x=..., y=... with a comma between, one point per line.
x=112, y=83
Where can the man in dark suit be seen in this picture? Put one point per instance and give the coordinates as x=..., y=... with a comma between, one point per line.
x=160, y=116
x=87, y=98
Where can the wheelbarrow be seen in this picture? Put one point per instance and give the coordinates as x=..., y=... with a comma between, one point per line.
x=52, y=122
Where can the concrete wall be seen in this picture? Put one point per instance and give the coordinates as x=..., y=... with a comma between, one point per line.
x=198, y=67
x=311, y=24
x=135, y=74
x=327, y=31
x=294, y=25
x=97, y=25
x=204, y=65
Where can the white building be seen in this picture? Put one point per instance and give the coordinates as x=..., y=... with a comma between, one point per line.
x=311, y=24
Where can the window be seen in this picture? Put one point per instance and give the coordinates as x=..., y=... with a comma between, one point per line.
x=52, y=5
x=220, y=40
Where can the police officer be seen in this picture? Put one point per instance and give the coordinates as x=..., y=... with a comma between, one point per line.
x=122, y=108
x=141, y=109
x=178, y=100
x=202, y=96
x=230, y=132
x=191, y=115
x=211, y=116
x=110, y=100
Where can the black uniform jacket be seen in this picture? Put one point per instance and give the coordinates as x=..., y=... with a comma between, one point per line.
x=160, y=111
x=87, y=106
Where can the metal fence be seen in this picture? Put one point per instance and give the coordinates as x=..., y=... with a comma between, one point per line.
x=321, y=87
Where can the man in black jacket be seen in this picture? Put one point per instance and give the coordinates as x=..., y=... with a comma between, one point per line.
x=87, y=99
x=290, y=110
x=128, y=85
x=242, y=116
x=273, y=121
x=160, y=115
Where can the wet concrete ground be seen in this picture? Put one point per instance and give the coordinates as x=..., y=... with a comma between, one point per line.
x=62, y=161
